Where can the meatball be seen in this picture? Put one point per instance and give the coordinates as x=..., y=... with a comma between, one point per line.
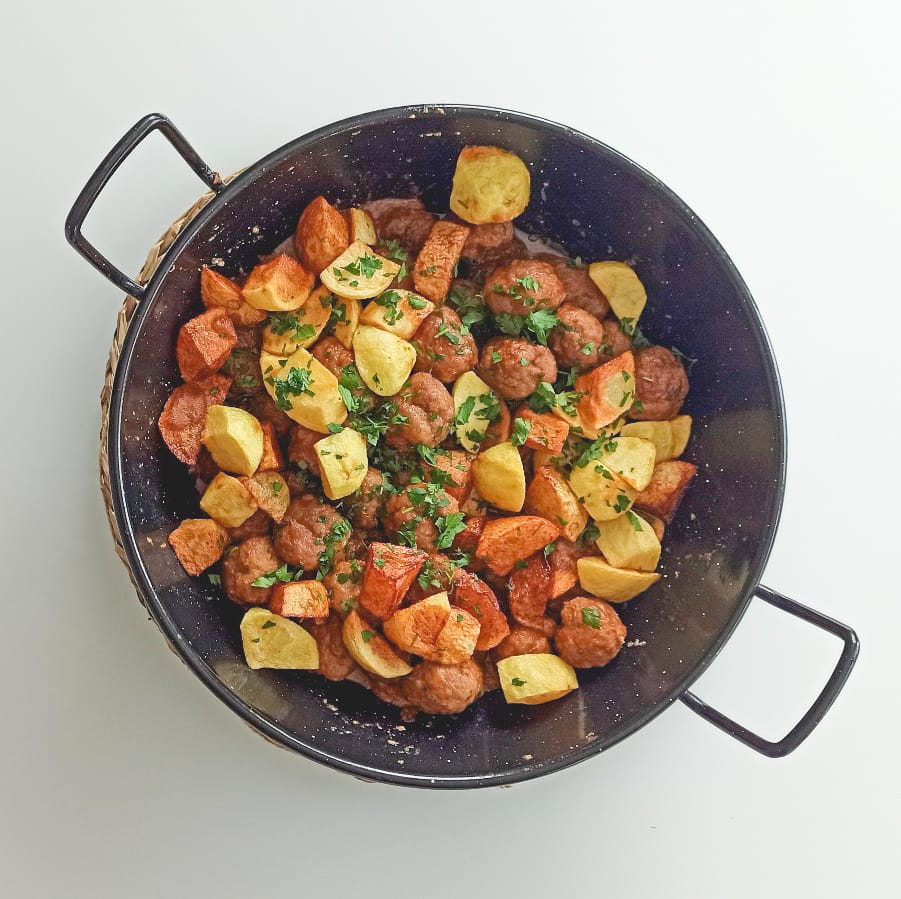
x=442, y=349
x=253, y=557
x=615, y=341
x=343, y=584
x=513, y=367
x=590, y=634
x=429, y=412
x=300, y=537
x=263, y=407
x=580, y=290
x=576, y=341
x=521, y=641
x=443, y=689
x=522, y=286
x=364, y=505
x=257, y=525
x=335, y=662
x=405, y=221
x=407, y=515
x=660, y=384
x=332, y=354
x=486, y=242
x=300, y=447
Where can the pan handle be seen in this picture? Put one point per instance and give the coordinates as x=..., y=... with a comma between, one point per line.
x=812, y=717
x=82, y=205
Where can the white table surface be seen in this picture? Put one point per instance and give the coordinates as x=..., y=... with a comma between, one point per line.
x=779, y=124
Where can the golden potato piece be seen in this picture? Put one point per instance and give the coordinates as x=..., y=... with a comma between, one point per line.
x=551, y=497
x=370, y=650
x=383, y=359
x=304, y=389
x=608, y=392
x=490, y=185
x=681, y=427
x=613, y=584
x=471, y=394
x=361, y=226
x=321, y=236
x=415, y=628
x=660, y=433
x=400, y=312
x=535, y=678
x=629, y=542
x=458, y=638
x=668, y=485
x=270, y=492
x=342, y=461
x=287, y=332
x=602, y=493
x=499, y=477
x=300, y=599
x=228, y=501
x=280, y=285
x=271, y=641
x=632, y=458
x=347, y=317
x=198, y=543
x=359, y=273
x=234, y=438
x=624, y=291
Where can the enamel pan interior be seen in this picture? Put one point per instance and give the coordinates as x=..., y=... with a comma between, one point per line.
x=598, y=205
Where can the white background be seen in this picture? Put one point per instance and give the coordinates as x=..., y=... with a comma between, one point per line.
x=779, y=123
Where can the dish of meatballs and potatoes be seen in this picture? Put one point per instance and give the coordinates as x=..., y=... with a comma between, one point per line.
x=431, y=456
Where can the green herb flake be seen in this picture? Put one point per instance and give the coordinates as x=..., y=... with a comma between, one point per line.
x=592, y=617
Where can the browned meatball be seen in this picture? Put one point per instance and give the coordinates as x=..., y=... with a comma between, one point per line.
x=300, y=536
x=429, y=412
x=590, y=634
x=442, y=349
x=405, y=221
x=343, y=584
x=253, y=557
x=522, y=286
x=576, y=341
x=332, y=354
x=521, y=641
x=335, y=662
x=258, y=525
x=364, y=505
x=501, y=366
x=263, y=407
x=581, y=291
x=407, y=515
x=615, y=341
x=300, y=447
x=660, y=384
x=485, y=242
x=443, y=689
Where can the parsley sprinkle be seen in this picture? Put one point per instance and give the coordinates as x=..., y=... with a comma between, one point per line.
x=592, y=617
x=367, y=636
x=518, y=682
x=521, y=430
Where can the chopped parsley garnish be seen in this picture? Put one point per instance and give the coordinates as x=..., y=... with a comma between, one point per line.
x=592, y=617
x=334, y=428
x=448, y=528
x=282, y=575
x=635, y=521
x=367, y=636
x=389, y=299
x=539, y=322
x=215, y=579
x=267, y=624
x=287, y=322
x=518, y=682
x=295, y=383
x=338, y=532
x=521, y=429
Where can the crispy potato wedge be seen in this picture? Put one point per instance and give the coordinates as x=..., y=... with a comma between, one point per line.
x=631, y=458
x=681, y=427
x=529, y=589
x=218, y=291
x=287, y=332
x=347, y=317
x=624, y=291
x=234, y=438
x=576, y=423
x=383, y=359
x=457, y=640
x=198, y=543
x=361, y=226
x=471, y=396
x=272, y=459
x=564, y=574
x=415, y=628
x=299, y=599
x=476, y=597
x=629, y=542
x=388, y=574
x=322, y=235
x=657, y=524
x=602, y=493
x=608, y=392
x=280, y=285
x=456, y=465
x=547, y=433
x=490, y=185
x=304, y=389
x=228, y=501
x=400, y=312
x=600, y=579
x=359, y=273
x=506, y=541
x=437, y=261
x=343, y=462
x=667, y=486
x=271, y=641
x=270, y=492
x=535, y=678
x=370, y=650
x=183, y=417
x=550, y=496
x=499, y=477
x=670, y=437
x=204, y=343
